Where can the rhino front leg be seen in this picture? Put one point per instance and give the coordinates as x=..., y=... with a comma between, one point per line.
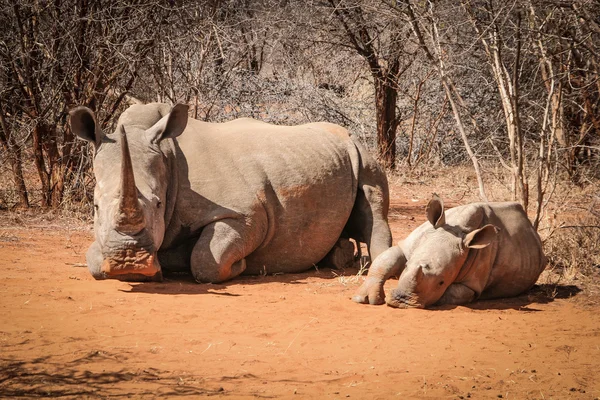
x=456, y=294
x=219, y=253
x=389, y=263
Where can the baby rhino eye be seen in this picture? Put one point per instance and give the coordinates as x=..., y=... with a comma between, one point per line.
x=441, y=283
x=158, y=204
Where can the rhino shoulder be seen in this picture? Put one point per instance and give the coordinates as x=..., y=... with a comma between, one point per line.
x=507, y=207
x=328, y=127
x=512, y=218
x=245, y=121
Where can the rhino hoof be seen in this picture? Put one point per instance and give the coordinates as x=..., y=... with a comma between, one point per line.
x=360, y=299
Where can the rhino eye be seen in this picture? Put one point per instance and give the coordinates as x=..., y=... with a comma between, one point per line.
x=441, y=283
x=159, y=204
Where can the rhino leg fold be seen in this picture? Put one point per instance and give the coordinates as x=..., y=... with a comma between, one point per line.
x=218, y=255
x=456, y=294
x=389, y=263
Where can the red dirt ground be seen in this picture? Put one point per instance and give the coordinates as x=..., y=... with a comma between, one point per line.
x=285, y=336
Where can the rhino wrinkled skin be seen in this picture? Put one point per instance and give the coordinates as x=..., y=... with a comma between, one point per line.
x=475, y=251
x=219, y=199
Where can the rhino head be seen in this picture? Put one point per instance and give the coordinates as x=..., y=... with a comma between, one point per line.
x=130, y=197
x=438, y=259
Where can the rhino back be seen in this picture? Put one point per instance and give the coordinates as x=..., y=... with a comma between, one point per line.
x=519, y=260
x=294, y=186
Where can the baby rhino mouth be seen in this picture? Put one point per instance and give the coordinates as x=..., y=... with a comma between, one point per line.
x=131, y=261
x=402, y=300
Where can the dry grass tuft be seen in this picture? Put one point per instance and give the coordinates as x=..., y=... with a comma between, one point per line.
x=574, y=252
x=354, y=279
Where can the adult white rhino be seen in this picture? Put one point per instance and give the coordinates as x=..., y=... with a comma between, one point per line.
x=475, y=251
x=222, y=199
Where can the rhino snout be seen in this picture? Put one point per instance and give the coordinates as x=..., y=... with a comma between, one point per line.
x=124, y=257
x=131, y=261
x=399, y=299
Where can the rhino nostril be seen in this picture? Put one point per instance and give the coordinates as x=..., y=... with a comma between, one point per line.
x=398, y=295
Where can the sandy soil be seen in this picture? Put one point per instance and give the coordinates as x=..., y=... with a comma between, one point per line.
x=292, y=336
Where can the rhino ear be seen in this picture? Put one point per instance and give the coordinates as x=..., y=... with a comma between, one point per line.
x=83, y=124
x=480, y=238
x=169, y=126
x=435, y=211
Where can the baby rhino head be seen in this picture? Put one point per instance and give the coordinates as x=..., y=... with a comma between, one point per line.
x=437, y=260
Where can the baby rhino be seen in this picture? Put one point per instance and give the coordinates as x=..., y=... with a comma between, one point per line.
x=475, y=251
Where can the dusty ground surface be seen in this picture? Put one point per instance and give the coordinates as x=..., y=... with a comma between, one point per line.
x=292, y=336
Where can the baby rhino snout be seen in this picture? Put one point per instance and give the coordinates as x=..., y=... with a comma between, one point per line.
x=399, y=299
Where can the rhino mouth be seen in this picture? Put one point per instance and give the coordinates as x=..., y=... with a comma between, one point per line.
x=131, y=260
x=402, y=300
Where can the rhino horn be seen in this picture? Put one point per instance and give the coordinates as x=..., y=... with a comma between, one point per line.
x=130, y=216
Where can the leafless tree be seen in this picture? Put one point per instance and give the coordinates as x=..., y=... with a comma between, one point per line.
x=58, y=54
x=517, y=81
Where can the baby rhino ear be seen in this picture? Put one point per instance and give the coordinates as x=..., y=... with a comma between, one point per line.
x=83, y=125
x=169, y=126
x=480, y=238
x=435, y=211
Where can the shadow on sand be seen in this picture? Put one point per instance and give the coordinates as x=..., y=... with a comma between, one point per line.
x=88, y=376
x=184, y=283
x=539, y=294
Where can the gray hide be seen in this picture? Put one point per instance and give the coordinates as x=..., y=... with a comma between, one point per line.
x=174, y=193
x=475, y=251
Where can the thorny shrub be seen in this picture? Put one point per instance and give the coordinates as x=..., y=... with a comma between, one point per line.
x=572, y=243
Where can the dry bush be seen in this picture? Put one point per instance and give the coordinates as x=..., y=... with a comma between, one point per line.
x=573, y=250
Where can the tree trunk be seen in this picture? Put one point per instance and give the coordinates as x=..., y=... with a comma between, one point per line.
x=57, y=175
x=385, y=104
x=38, y=136
x=16, y=166
x=16, y=162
